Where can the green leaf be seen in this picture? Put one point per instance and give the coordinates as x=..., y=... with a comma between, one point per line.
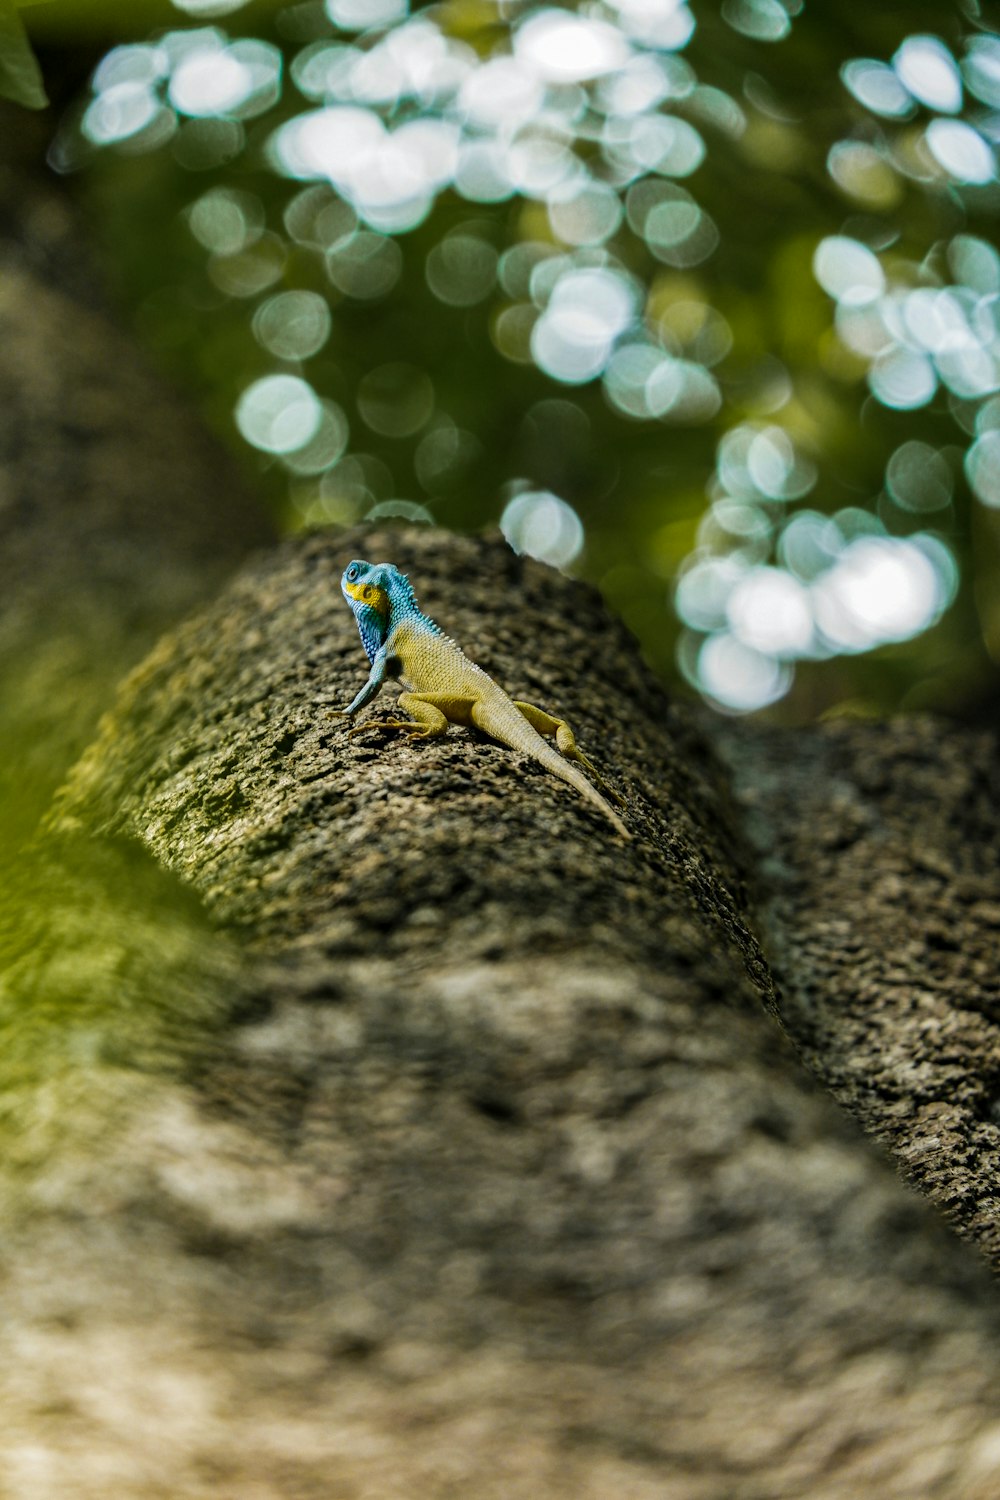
x=20, y=75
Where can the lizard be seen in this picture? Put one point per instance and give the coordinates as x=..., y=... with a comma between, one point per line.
x=443, y=686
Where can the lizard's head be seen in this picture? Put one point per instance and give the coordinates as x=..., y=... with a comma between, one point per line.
x=368, y=585
x=375, y=587
x=380, y=596
x=364, y=588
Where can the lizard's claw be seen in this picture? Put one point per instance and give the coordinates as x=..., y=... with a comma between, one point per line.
x=387, y=724
x=595, y=775
x=608, y=791
x=415, y=733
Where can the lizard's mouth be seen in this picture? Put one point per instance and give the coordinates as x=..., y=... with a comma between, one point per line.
x=368, y=595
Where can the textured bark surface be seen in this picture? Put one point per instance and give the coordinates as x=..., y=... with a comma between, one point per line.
x=481, y=1168
x=879, y=865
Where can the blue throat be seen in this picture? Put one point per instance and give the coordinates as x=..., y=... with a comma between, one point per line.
x=372, y=628
x=375, y=630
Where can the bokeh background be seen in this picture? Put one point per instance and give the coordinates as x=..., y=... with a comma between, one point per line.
x=700, y=301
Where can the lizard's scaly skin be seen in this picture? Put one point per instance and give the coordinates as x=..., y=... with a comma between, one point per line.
x=444, y=687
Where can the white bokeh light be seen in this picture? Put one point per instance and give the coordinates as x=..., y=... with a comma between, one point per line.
x=982, y=468
x=540, y=524
x=981, y=68
x=665, y=24
x=481, y=175
x=753, y=460
x=704, y=587
x=627, y=379
x=565, y=48
x=927, y=69
x=763, y=20
x=390, y=177
x=770, y=611
x=961, y=151
x=461, y=269
x=325, y=446
x=976, y=263
x=279, y=413
x=738, y=677
x=213, y=79
x=809, y=543
x=880, y=589
x=293, y=325
x=207, y=9
x=500, y=93
x=903, y=379
x=877, y=87
x=666, y=144
x=584, y=212
x=587, y=311
x=848, y=270
x=918, y=477
x=120, y=111
x=357, y=15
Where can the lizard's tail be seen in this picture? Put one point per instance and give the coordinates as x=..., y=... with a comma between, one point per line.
x=567, y=771
x=494, y=713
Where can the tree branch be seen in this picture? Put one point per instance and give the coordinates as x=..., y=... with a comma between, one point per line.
x=508, y=1184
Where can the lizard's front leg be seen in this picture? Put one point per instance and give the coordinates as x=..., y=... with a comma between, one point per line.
x=559, y=730
x=376, y=677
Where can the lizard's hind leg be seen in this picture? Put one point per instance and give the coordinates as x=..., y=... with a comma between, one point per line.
x=430, y=715
x=559, y=730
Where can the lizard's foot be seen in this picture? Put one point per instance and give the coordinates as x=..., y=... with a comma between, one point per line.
x=428, y=721
x=608, y=790
x=598, y=779
x=416, y=733
x=595, y=775
x=389, y=724
x=560, y=731
x=365, y=727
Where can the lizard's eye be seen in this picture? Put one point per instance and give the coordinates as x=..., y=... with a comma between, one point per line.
x=352, y=573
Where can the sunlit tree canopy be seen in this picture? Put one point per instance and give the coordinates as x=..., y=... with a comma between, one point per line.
x=699, y=300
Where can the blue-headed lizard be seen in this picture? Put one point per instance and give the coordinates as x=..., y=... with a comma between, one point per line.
x=443, y=686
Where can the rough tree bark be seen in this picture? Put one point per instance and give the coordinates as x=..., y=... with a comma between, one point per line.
x=878, y=852
x=374, y=1123
x=502, y=1180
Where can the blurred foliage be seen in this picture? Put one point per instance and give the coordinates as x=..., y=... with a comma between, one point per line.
x=700, y=301
x=20, y=75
